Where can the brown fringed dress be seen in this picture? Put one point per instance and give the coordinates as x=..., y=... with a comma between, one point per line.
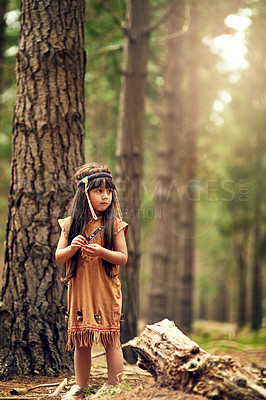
x=94, y=299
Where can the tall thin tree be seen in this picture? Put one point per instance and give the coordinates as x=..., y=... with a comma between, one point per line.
x=187, y=209
x=172, y=276
x=130, y=152
x=48, y=143
x=164, y=284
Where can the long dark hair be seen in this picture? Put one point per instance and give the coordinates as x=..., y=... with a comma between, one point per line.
x=80, y=214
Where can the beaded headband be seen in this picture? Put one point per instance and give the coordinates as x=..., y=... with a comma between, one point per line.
x=86, y=181
x=94, y=176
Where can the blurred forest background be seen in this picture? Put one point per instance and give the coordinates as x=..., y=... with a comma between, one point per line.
x=211, y=85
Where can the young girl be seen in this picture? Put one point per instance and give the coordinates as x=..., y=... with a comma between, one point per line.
x=93, y=245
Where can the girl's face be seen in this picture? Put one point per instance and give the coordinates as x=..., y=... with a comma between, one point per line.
x=101, y=198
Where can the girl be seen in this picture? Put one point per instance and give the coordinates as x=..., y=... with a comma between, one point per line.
x=93, y=245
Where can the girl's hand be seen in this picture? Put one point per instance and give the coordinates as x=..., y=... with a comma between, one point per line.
x=77, y=242
x=64, y=251
x=93, y=250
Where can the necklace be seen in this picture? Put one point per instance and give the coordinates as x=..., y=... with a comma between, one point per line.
x=93, y=234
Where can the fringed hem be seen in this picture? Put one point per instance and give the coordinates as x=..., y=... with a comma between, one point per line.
x=89, y=338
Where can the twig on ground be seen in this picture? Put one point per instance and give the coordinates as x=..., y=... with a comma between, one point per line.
x=60, y=388
x=19, y=397
x=25, y=390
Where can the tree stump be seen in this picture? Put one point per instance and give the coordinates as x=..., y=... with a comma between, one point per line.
x=177, y=362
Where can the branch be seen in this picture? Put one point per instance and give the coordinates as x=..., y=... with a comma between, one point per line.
x=60, y=388
x=165, y=16
x=20, y=397
x=21, y=391
x=112, y=47
x=176, y=34
x=113, y=15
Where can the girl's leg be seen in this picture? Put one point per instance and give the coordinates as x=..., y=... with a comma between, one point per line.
x=82, y=362
x=114, y=357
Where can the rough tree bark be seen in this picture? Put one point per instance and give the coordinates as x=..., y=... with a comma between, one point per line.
x=130, y=153
x=48, y=141
x=177, y=362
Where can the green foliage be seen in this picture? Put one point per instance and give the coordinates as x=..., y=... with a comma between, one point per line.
x=103, y=76
x=219, y=337
x=7, y=96
x=110, y=390
x=262, y=247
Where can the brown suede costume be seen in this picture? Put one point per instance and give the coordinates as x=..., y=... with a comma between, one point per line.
x=94, y=299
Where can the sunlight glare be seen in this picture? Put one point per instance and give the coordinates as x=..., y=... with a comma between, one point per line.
x=238, y=22
x=232, y=50
x=218, y=105
x=225, y=96
x=232, y=47
x=11, y=51
x=12, y=18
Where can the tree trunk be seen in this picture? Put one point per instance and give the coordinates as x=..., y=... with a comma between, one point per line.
x=187, y=209
x=220, y=306
x=48, y=142
x=130, y=153
x=173, y=258
x=203, y=306
x=177, y=362
x=257, y=272
x=163, y=298
x=257, y=281
x=242, y=289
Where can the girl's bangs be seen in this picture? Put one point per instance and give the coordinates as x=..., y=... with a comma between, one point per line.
x=105, y=182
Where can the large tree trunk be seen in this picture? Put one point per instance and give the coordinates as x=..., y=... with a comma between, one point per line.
x=177, y=362
x=48, y=141
x=130, y=152
x=165, y=287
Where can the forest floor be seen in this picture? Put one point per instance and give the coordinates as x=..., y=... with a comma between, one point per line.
x=219, y=339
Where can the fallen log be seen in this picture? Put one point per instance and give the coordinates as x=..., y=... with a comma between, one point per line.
x=179, y=363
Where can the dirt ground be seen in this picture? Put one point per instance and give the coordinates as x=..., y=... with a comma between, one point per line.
x=135, y=387
x=137, y=384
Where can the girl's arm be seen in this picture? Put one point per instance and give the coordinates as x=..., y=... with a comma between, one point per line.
x=118, y=256
x=65, y=251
